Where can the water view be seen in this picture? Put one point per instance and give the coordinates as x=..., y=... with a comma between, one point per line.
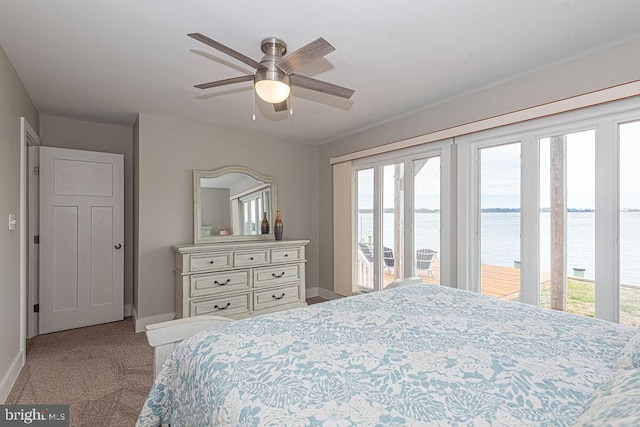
x=501, y=239
x=566, y=179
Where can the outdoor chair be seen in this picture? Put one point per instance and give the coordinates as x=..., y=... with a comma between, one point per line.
x=387, y=257
x=365, y=267
x=366, y=252
x=424, y=257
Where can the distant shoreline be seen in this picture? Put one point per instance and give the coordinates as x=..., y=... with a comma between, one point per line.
x=491, y=210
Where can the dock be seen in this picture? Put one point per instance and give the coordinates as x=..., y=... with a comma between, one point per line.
x=496, y=281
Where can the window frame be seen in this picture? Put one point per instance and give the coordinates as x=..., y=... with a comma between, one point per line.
x=606, y=121
x=407, y=156
x=457, y=173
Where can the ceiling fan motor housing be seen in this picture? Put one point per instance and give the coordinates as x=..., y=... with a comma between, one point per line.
x=272, y=73
x=274, y=43
x=274, y=49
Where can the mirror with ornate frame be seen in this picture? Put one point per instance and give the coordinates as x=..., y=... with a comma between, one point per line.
x=228, y=204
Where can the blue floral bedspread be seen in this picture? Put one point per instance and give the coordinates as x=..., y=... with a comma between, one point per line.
x=416, y=355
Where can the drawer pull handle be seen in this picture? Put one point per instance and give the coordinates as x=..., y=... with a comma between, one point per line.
x=226, y=306
x=211, y=262
x=280, y=297
x=251, y=259
x=222, y=284
x=286, y=255
x=277, y=276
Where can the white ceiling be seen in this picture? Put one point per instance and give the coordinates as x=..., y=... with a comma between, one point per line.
x=108, y=60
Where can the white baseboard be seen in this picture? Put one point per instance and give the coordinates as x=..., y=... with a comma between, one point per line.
x=127, y=310
x=322, y=293
x=142, y=322
x=11, y=376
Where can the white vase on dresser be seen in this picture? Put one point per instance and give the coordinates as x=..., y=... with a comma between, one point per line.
x=239, y=279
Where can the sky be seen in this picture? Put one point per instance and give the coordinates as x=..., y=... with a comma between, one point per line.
x=500, y=171
x=427, y=186
x=500, y=175
x=630, y=165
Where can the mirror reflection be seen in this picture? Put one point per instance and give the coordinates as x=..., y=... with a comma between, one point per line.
x=231, y=203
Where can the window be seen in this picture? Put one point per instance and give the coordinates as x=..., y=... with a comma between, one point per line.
x=399, y=223
x=426, y=219
x=629, y=289
x=392, y=222
x=567, y=222
x=545, y=212
x=252, y=207
x=500, y=221
x=573, y=242
x=364, y=263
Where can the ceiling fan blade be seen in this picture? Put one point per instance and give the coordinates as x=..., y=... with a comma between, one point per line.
x=320, y=86
x=281, y=106
x=305, y=55
x=224, y=82
x=224, y=49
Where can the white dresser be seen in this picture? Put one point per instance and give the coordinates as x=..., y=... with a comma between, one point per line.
x=239, y=279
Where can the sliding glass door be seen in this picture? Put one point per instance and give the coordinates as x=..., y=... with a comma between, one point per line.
x=426, y=219
x=544, y=212
x=553, y=219
x=364, y=273
x=399, y=214
x=567, y=222
x=629, y=288
x=380, y=223
x=392, y=222
x=553, y=204
x=499, y=194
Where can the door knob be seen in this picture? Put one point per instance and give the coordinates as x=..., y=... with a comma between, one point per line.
x=118, y=246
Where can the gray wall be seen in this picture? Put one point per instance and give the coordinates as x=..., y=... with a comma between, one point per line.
x=606, y=68
x=169, y=150
x=14, y=103
x=216, y=209
x=82, y=135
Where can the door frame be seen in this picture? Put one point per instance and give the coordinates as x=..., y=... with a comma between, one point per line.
x=33, y=212
x=28, y=137
x=442, y=149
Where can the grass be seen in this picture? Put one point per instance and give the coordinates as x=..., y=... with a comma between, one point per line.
x=630, y=306
x=581, y=300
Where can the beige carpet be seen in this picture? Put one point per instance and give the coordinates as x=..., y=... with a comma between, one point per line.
x=104, y=372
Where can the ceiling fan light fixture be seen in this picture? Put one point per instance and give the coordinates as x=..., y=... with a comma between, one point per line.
x=272, y=86
x=276, y=73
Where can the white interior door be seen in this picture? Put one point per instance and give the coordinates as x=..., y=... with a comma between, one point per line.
x=81, y=238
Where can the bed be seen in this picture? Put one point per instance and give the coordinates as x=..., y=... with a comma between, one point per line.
x=413, y=355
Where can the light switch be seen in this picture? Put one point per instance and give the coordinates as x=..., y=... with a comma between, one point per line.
x=12, y=222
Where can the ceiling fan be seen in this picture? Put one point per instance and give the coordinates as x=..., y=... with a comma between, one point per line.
x=275, y=73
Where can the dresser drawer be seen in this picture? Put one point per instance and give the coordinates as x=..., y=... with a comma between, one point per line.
x=222, y=305
x=286, y=254
x=210, y=261
x=248, y=258
x=269, y=276
x=274, y=297
x=223, y=281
